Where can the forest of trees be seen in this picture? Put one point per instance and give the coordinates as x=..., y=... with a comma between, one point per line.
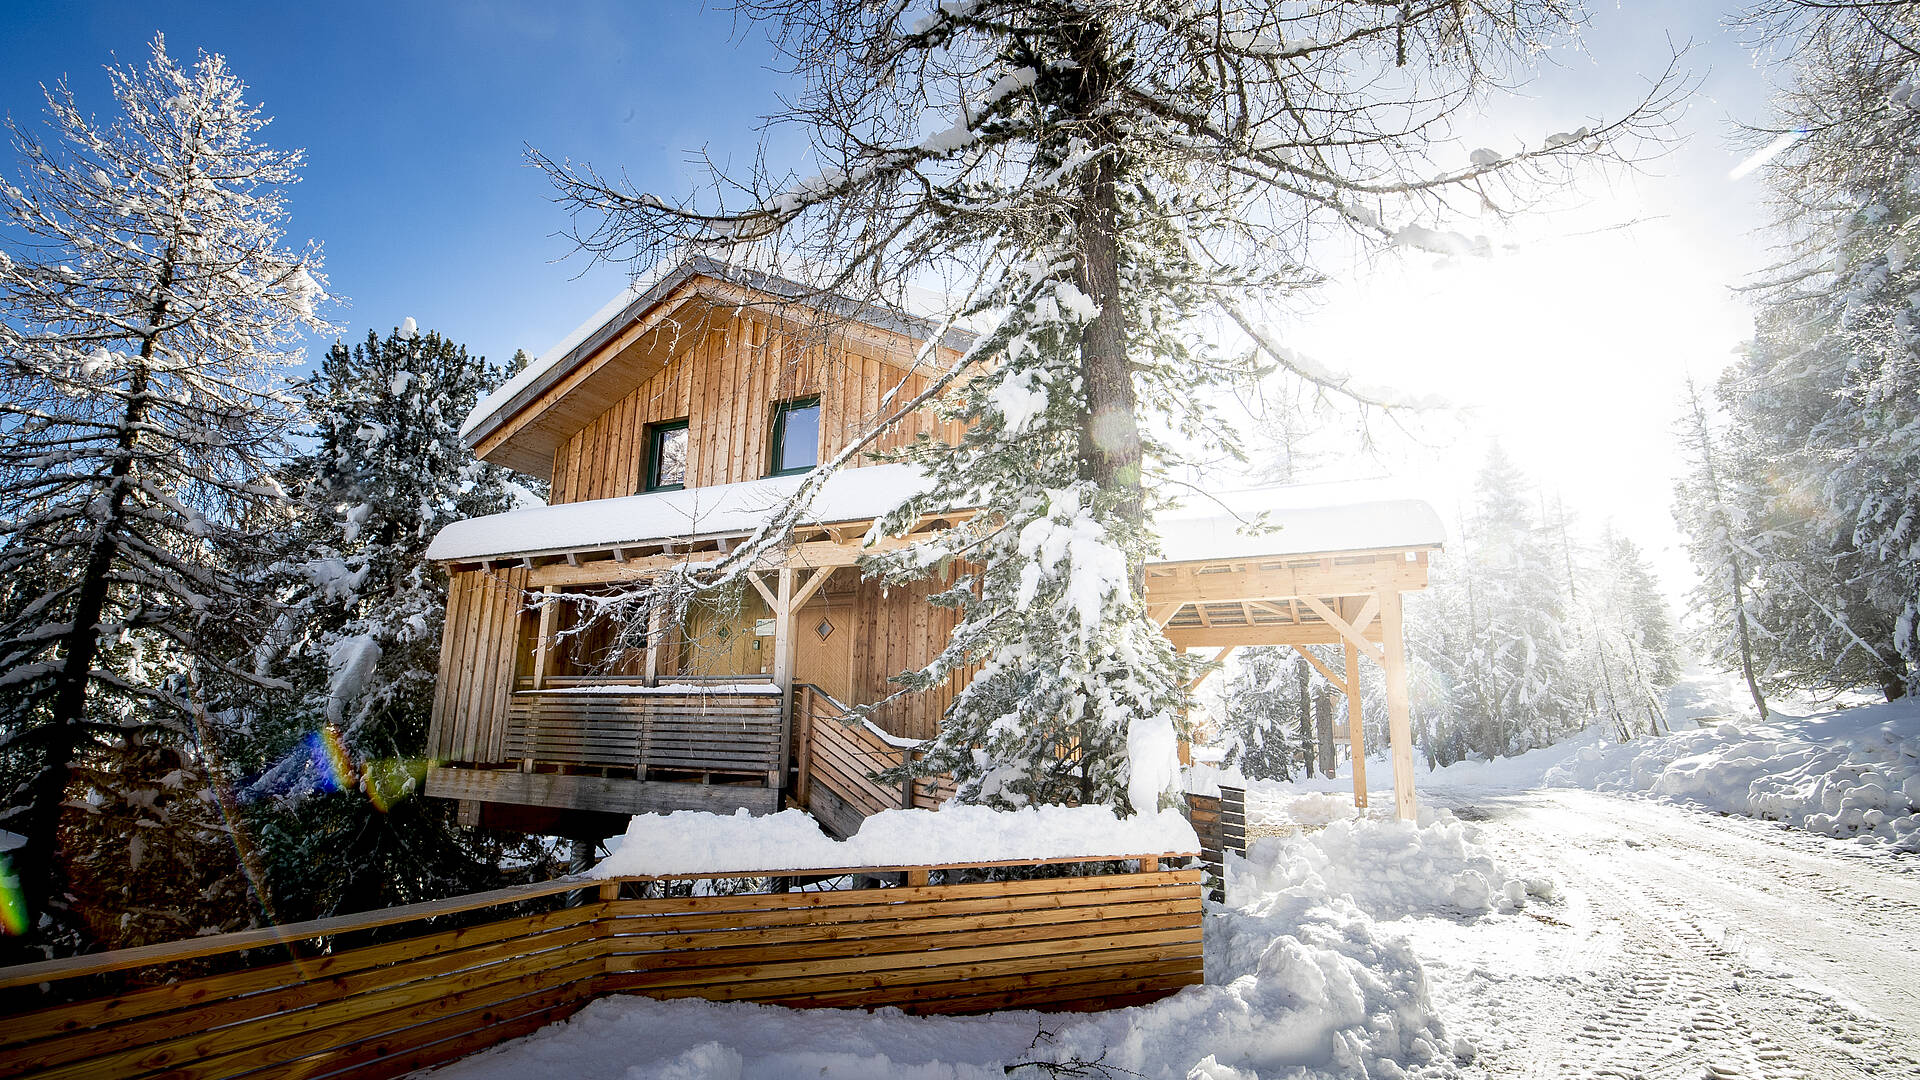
x=1802, y=505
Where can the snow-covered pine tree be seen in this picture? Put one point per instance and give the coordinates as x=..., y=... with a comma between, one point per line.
x=147, y=300
x=1110, y=180
x=1524, y=690
x=1829, y=395
x=1261, y=710
x=335, y=814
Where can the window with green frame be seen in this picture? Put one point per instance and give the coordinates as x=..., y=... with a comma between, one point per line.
x=666, y=456
x=796, y=436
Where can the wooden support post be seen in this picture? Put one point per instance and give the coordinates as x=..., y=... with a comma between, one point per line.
x=1399, y=707
x=543, y=645
x=1356, y=737
x=803, y=710
x=542, y=659
x=783, y=668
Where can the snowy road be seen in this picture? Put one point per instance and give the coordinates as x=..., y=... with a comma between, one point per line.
x=1682, y=944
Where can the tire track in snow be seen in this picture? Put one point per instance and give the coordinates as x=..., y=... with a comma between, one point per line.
x=1651, y=984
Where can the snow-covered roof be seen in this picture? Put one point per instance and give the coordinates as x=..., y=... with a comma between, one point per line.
x=1305, y=518
x=646, y=291
x=715, y=510
x=1298, y=519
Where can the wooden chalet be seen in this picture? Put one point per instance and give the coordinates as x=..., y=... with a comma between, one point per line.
x=668, y=427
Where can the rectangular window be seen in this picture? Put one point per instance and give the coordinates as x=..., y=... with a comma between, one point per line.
x=796, y=436
x=666, y=456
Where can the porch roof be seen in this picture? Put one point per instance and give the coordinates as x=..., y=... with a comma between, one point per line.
x=1262, y=522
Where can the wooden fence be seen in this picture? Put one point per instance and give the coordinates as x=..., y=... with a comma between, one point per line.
x=838, y=761
x=942, y=942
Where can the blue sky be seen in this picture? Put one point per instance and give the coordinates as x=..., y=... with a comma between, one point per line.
x=415, y=118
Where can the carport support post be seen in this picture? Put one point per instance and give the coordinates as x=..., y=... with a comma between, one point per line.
x=1399, y=708
x=1355, y=736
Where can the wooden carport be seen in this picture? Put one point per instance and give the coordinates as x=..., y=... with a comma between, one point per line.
x=1328, y=569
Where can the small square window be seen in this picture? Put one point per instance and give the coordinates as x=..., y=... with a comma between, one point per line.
x=666, y=456
x=796, y=436
x=824, y=629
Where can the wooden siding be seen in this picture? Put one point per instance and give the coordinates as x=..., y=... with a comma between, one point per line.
x=382, y=1010
x=724, y=381
x=479, y=654
x=895, y=630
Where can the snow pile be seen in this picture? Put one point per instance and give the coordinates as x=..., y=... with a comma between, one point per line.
x=1851, y=773
x=694, y=842
x=1386, y=868
x=1311, y=808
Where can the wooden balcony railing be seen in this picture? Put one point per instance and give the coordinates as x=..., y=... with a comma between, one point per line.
x=651, y=729
x=841, y=758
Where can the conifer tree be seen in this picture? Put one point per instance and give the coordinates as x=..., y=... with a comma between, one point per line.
x=336, y=812
x=1106, y=181
x=1827, y=400
x=147, y=300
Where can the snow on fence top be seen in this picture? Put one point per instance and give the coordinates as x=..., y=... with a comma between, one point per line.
x=1301, y=518
x=694, y=842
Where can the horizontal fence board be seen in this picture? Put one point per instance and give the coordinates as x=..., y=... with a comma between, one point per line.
x=33, y=1026
x=219, y=1015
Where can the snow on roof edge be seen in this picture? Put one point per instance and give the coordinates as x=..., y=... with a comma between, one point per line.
x=1304, y=525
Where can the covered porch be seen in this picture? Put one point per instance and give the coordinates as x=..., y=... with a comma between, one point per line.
x=739, y=708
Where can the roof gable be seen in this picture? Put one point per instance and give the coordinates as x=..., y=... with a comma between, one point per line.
x=521, y=423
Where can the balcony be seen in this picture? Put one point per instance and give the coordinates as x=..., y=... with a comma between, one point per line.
x=619, y=746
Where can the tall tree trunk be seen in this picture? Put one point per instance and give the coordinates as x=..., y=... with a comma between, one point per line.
x=37, y=861
x=1323, y=729
x=1307, y=753
x=1110, y=444
x=1746, y=641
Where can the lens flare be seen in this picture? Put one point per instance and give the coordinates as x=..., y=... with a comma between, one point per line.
x=330, y=759
x=13, y=901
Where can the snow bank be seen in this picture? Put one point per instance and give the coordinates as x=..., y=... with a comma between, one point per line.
x=1386, y=868
x=1849, y=773
x=693, y=842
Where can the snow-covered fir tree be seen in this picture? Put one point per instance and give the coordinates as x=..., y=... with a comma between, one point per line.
x=1496, y=631
x=1827, y=401
x=148, y=300
x=1106, y=182
x=336, y=815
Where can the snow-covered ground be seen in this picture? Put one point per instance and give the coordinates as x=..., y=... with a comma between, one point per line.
x=1851, y=773
x=1587, y=910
